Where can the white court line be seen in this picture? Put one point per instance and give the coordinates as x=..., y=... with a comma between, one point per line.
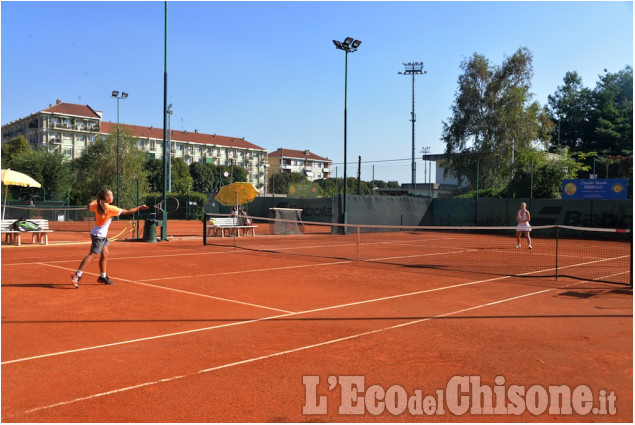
x=251, y=321
x=251, y=271
x=179, y=290
x=261, y=319
x=111, y=258
x=282, y=353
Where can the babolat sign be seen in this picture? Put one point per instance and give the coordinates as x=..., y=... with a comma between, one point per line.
x=594, y=189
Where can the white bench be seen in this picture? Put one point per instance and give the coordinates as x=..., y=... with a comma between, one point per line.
x=15, y=236
x=233, y=224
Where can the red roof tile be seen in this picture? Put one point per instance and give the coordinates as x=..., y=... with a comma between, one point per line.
x=73, y=109
x=290, y=153
x=180, y=136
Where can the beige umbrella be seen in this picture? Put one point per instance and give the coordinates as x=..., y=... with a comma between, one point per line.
x=15, y=178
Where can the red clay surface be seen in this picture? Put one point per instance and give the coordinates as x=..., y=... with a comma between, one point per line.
x=193, y=333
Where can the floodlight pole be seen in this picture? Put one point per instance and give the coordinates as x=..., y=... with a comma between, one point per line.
x=349, y=45
x=116, y=95
x=413, y=68
x=164, y=226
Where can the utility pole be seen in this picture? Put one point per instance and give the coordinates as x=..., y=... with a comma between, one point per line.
x=359, y=175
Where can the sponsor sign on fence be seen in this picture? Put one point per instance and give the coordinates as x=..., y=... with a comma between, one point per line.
x=594, y=189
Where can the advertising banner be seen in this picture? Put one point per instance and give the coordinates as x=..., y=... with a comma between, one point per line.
x=303, y=190
x=594, y=188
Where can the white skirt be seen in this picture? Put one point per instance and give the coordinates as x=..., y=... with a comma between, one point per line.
x=523, y=227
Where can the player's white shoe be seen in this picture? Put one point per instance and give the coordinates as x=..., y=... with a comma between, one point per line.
x=75, y=279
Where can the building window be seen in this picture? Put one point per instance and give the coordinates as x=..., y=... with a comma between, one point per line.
x=55, y=138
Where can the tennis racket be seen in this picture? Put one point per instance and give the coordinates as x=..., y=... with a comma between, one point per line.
x=170, y=205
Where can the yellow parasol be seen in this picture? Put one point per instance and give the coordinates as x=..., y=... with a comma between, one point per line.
x=14, y=178
x=236, y=194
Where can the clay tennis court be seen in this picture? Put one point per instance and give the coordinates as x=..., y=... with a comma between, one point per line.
x=193, y=333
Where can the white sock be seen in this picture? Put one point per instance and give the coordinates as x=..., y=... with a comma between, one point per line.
x=78, y=273
x=103, y=275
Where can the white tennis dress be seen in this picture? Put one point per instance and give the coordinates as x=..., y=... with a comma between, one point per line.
x=523, y=224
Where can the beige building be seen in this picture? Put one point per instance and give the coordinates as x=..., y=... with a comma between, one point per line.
x=314, y=167
x=68, y=128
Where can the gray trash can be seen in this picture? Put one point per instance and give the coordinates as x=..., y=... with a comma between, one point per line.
x=150, y=230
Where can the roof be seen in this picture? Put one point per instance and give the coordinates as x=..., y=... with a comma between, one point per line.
x=72, y=109
x=290, y=153
x=181, y=136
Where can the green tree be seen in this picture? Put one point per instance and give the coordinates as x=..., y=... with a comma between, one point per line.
x=328, y=187
x=613, y=113
x=540, y=174
x=154, y=173
x=570, y=109
x=48, y=168
x=239, y=173
x=181, y=178
x=282, y=181
x=14, y=147
x=493, y=115
x=203, y=177
x=96, y=169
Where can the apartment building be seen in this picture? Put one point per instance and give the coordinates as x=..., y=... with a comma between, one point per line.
x=63, y=127
x=314, y=167
x=70, y=128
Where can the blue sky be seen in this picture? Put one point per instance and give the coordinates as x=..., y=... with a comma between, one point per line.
x=269, y=72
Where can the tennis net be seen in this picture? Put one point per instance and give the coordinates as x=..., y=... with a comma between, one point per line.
x=557, y=251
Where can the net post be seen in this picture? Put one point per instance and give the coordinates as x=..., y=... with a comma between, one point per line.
x=557, y=240
x=204, y=229
x=630, y=233
x=358, y=241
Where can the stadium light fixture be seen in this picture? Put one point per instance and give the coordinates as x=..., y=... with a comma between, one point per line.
x=413, y=68
x=349, y=45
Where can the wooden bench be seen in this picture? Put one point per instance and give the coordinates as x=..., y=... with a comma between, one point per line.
x=15, y=236
x=233, y=224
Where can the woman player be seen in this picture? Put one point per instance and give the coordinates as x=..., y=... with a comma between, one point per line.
x=104, y=212
x=523, y=217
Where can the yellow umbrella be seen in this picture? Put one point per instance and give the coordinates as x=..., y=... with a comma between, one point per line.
x=236, y=194
x=14, y=178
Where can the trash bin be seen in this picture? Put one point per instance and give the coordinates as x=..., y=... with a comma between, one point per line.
x=150, y=230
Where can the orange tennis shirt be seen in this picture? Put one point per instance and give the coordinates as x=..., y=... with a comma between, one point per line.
x=103, y=221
